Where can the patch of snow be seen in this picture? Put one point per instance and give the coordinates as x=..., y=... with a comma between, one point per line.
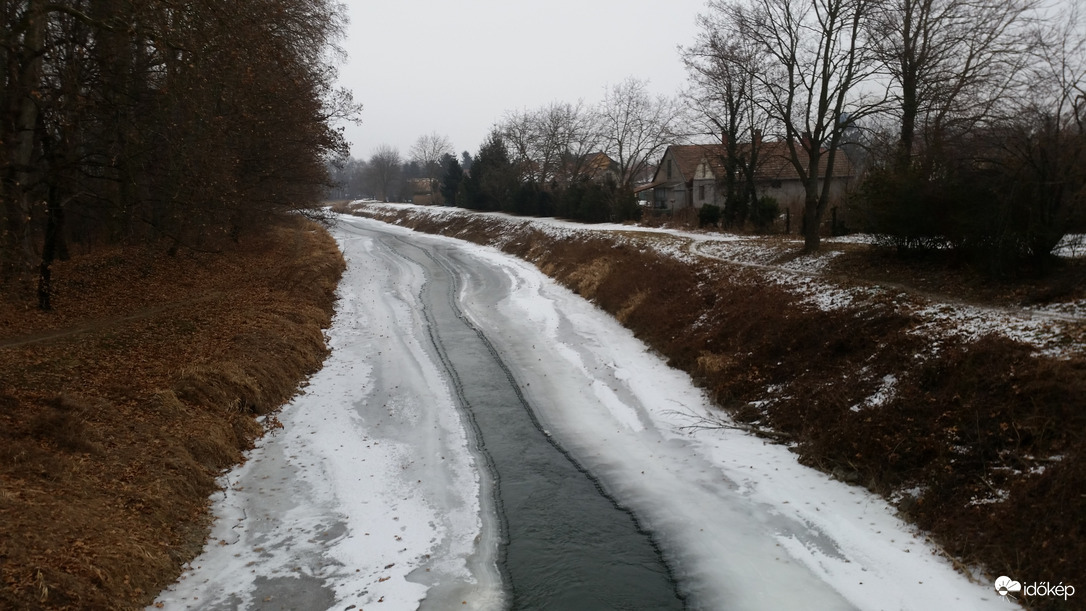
x=914, y=492
x=816, y=292
x=1069, y=309
x=812, y=263
x=853, y=238
x=883, y=394
x=369, y=494
x=971, y=323
x=1073, y=245
x=746, y=251
x=737, y=516
x=994, y=496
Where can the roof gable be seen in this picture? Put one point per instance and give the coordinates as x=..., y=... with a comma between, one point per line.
x=685, y=158
x=774, y=161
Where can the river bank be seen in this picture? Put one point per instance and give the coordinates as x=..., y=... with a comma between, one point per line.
x=119, y=409
x=968, y=419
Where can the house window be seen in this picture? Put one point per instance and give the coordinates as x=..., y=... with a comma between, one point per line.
x=669, y=169
x=701, y=192
x=776, y=184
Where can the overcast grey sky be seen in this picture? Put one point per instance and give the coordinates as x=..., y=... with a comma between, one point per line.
x=455, y=67
x=423, y=66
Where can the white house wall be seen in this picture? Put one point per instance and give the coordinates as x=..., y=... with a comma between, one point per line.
x=791, y=196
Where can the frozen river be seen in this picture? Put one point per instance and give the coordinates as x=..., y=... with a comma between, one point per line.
x=481, y=438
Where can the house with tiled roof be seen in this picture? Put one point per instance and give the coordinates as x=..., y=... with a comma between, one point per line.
x=690, y=176
x=599, y=167
x=672, y=186
x=424, y=191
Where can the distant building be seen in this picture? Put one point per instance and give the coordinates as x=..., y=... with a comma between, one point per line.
x=424, y=191
x=690, y=176
x=599, y=167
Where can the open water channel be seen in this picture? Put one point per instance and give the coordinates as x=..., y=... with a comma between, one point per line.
x=565, y=544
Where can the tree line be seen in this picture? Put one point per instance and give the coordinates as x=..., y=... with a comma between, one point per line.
x=137, y=120
x=389, y=176
x=962, y=119
x=574, y=160
x=967, y=116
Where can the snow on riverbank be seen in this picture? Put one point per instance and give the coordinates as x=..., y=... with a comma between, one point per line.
x=1053, y=330
x=744, y=524
x=370, y=495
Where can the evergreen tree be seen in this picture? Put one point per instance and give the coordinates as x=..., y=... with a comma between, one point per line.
x=451, y=178
x=493, y=179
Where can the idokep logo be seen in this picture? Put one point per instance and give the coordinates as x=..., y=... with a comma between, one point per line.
x=1006, y=586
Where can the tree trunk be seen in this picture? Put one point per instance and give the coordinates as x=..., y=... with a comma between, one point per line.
x=53, y=247
x=17, y=203
x=811, y=218
x=812, y=203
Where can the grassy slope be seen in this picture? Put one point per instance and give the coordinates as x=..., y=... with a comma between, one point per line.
x=118, y=410
x=984, y=421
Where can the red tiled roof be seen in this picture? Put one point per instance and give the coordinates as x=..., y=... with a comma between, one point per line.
x=773, y=160
x=688, y=156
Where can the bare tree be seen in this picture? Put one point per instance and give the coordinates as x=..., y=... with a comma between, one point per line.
x=815, y=59
x=550, y=144
x=520, y=135
x=724, y=97
x=571, y=132
x=348, y=177
x=635, y=127
x=427, y=153
x=153, y=119
x=384, y=170
x=24, y=41
x=950, y=61
x=1045, y=135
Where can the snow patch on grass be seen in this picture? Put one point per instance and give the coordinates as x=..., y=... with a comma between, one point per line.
x=883, y=394
x=1072, y=246
x=971, y=323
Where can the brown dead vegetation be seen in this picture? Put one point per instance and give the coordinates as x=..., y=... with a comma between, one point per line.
x=118, y=410
x=979, y=443
x=949, y=273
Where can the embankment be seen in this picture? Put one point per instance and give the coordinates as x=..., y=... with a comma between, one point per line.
x=119, y=410
x=978, y=440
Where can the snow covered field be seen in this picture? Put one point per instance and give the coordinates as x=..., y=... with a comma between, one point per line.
x=371, y=492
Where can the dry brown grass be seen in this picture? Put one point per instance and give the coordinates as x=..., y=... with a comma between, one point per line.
x=947, y=273
x=118, y=410
x=964, y=422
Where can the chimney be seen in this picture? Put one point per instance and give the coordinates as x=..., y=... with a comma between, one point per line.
x=756, y=138
x=724, y=139
x=806, y=141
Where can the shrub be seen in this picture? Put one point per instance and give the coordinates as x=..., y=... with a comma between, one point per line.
x=709, y=215
x=625, y=206
x=765, y=212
